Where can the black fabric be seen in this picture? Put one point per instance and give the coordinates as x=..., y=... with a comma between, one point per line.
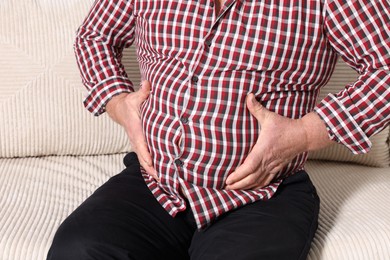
x=122, y=220
x=280, y=228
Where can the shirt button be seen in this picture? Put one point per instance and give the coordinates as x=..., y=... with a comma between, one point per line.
x=184, y=120
x=179, y=163
x=212, y=3
x=194, y=79
x=208, y=43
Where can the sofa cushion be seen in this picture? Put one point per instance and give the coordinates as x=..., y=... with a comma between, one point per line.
x=37, y=194
x=354, y=218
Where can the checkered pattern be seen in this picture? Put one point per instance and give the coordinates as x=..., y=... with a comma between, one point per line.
x=201, y=67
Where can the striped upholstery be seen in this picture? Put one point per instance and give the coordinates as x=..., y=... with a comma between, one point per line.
x=41, y=110
x=41, y=192
x=354, y=222
x=38, y=193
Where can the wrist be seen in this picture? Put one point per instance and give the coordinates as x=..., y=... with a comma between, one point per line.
x=316, y=133
x=114, y=101
x=113, y=106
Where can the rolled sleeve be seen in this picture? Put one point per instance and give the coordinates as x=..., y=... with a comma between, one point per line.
x=359, y=32
x=99, y=44
x=98, y=97
x=341, y=126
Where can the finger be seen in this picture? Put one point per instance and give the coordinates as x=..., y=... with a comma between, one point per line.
x=253, y=181
x=268, y=178
x=143, y=153
x=245, y=169
x=145, y=158
x=242, y=184
x=139, y=145
x=256, y=109
x=144, y=89
x=151, y=171
x=273, y=174
x=257, y=178
x=246, y=183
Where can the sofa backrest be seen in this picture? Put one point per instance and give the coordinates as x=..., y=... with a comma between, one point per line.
x=41, y=111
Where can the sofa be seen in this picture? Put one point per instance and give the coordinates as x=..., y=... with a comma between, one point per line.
x=54, y=154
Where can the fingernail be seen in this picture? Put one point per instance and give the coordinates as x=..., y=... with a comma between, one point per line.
x=254, y=99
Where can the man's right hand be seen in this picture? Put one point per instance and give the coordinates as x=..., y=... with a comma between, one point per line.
x=125, y=110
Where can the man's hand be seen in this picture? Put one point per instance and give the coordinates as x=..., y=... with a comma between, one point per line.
x=280, y=140
x=125, y=110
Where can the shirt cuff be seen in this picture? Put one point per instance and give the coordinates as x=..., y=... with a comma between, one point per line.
x=341, y=125
x=95, y=102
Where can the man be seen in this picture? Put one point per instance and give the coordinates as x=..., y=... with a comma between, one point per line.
x=222, y=122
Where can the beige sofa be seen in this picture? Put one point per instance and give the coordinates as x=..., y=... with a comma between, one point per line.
x=53, y=153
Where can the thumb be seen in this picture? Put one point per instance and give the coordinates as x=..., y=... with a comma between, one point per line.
x=144, y=89
x=256, y=109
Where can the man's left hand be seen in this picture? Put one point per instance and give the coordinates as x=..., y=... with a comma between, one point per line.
x=280, y=140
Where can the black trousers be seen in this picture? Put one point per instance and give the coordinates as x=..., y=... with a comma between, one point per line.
x=122, y=220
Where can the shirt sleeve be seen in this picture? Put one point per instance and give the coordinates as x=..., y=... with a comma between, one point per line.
x=359, y=31
x=100, y=40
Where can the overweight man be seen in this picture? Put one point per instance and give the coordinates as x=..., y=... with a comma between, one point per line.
x=222, y=122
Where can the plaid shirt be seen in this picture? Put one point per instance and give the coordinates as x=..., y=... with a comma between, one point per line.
x=201, y=67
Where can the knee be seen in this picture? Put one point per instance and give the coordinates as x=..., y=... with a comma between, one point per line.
x=70, y=242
